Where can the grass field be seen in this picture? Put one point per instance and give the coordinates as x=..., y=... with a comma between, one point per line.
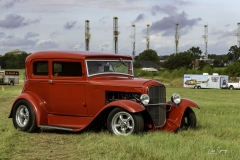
x=217, y=135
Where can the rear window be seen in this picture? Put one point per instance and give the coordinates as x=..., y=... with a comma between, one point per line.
x=40, y=68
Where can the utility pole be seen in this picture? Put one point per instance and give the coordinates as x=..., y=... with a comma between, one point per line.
x=205, y=36
x=133, y=41
x=177, y=36
x=238, y=34
x=115, y=35
x=87, y=35
x=147, y=37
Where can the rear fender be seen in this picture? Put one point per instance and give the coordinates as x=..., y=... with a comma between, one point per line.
x=36, y=103
x=129, y=105
x=175, y=113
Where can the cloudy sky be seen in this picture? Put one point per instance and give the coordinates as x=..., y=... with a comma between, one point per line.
x=31, y=25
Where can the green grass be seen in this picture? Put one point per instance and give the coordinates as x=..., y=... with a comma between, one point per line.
x=217, y=129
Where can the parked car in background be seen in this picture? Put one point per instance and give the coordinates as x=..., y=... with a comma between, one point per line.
x=150, y=69
x=234, y=85
x=76, y=90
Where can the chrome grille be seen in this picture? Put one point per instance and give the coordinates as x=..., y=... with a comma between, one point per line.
x=157, y=112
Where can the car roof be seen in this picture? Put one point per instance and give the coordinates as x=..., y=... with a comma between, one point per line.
x=75, y=55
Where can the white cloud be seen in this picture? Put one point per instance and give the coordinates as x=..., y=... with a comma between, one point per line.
x=62, y=24
x=48, y=43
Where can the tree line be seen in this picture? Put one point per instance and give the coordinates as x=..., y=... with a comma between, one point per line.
x=188, y=58
x=16, y=59
x=13, y=60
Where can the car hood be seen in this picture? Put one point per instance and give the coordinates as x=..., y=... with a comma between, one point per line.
x=133, y=82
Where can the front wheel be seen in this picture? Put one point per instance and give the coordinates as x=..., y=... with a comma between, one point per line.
x=189, y=120
x=231, y=88
x=24, y=117
x=121, y=122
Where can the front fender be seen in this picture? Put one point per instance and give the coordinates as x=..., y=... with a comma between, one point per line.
x=175, y=113
x=36, y=103
x=189, y=103
x=128, y=105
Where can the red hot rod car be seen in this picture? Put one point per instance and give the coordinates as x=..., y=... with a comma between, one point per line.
x=75, y=90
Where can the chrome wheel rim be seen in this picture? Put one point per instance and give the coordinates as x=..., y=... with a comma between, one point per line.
x=22, y=116
x=122, y=123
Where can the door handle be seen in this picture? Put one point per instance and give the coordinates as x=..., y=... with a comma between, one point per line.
x=50, y=81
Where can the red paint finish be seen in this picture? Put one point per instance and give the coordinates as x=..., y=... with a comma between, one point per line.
x=63, y=93
x=69, y=121
x=128, y=105
x=174, y=116
x=37, y=104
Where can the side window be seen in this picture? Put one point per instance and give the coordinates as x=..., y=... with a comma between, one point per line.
x=67, y=69
x=40, y=68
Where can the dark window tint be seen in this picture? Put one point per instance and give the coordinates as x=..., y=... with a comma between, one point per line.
x=40, y=68
x=67, y=69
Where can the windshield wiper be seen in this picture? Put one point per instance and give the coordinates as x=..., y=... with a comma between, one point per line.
x=122, y=62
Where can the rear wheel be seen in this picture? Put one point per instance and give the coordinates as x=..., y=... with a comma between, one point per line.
x=121, y=122
x=231, y=88
x=189, y=120
x=24, y=117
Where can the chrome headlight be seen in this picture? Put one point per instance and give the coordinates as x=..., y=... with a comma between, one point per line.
x=145, y=99
x=176, y=98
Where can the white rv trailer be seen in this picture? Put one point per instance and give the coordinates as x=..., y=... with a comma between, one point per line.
x=205, y=81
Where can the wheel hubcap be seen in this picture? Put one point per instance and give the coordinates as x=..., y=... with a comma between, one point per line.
x=22, y=116
x=122, y=123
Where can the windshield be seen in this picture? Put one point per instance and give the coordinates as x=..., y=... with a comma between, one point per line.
x=120, y=66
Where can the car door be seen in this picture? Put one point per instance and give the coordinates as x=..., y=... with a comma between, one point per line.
x=67, y=88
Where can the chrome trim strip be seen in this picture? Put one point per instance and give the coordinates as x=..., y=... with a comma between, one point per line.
x=111, y=73
x=157, y=104
x=55, y=127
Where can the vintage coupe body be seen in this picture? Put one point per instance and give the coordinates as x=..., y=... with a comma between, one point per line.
x=76, y=90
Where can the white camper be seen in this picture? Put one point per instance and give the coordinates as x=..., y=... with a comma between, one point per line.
x=205, y=81
x=9, y=77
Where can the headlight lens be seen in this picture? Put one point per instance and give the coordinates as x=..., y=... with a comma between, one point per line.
x=145, y=99
x=176, y=98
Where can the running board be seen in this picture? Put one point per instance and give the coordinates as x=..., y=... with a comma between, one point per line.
x=56, y=127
